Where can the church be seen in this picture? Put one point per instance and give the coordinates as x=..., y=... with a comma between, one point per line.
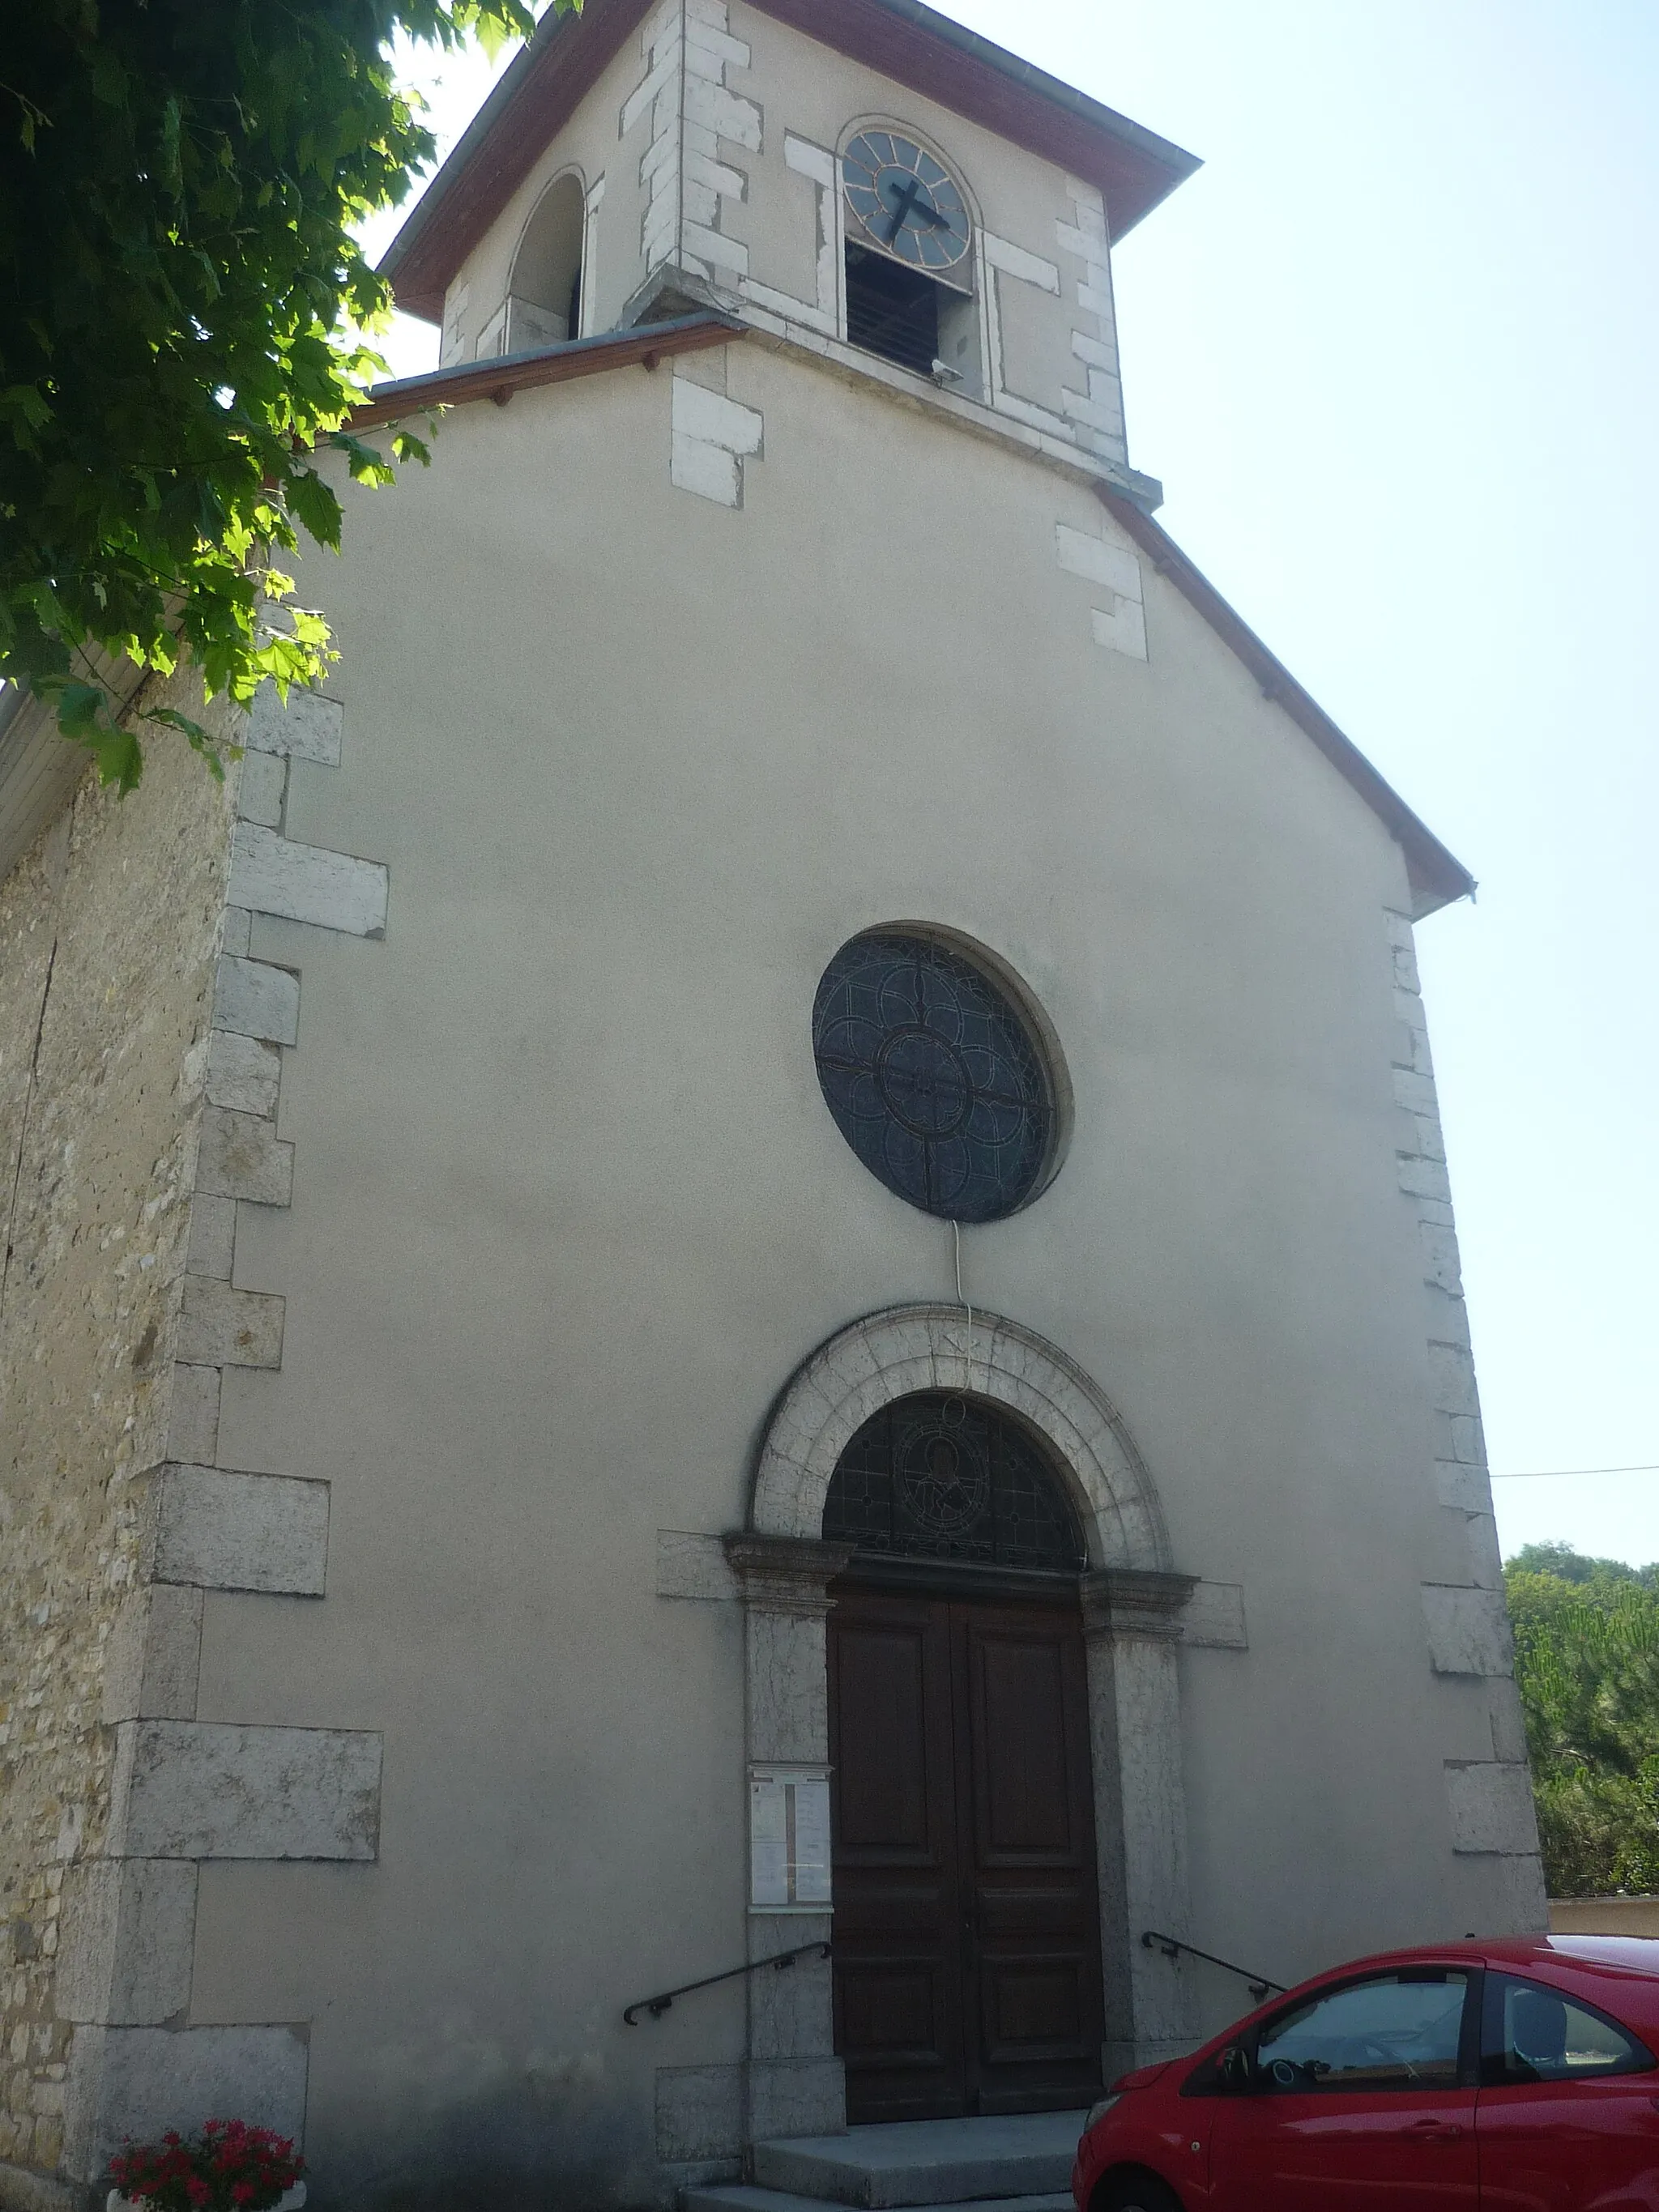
x=734, y=1364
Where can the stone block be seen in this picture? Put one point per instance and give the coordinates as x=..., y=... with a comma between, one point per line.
x=140, y=2081
x=1523, y=1907
x=1422, y=1178
x=1448, y=1317
x=244, y=1074
x=242, y=1157
x=724, y=113
x=711, y=435
x=699, y=2112
x=1486, y=1558
x=197, y=1789
x=693, y=1566
x=235, y=931
x=255, y=1000
x=224, y=1530
x=1508, y=1723
x=1083, y=555
x=221, y=1328
x=261, y=788
x=808, y=160
x=270, y=874
x=228, y=1328
x=1492, y=1808
x=787, y=1689
x=1097, y=353
x=1027, y=268
x=1411, y=1045
x=193, y=1415
x=154, y=1656
x=1468, y=1630
x=1452, y=1370
x=1121, y=627
x=28, y=2189
x=792, y=2012
x=130, y=1929
x=1415, y=1092
x=212, y=1249
x=307, y=727
x=796, y=2097
x=1442, y=1265
x=1213, y=1619
x=1462, y=1486
x=1402, y=947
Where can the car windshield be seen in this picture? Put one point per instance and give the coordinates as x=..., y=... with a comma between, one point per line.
x=1393, y=2032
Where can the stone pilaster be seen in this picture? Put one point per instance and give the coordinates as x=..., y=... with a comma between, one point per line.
x=794, y=2083
x=1132, y=1628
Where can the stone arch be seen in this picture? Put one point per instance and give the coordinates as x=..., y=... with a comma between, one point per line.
x=909, y=128
x=906, y=1349
x=548, y=277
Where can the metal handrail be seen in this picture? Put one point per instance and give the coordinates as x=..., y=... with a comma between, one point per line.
x=658, y=2005
x=1172, y=1947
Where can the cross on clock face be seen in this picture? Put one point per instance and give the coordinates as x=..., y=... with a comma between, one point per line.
x=905, y=201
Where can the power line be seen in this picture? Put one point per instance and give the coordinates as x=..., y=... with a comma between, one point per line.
x=1558, y=1474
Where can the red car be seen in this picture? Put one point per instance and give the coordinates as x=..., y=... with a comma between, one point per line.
x=1512, y=2076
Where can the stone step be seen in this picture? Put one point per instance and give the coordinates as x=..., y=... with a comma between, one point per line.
x=933, y=2162
x=740, y=2197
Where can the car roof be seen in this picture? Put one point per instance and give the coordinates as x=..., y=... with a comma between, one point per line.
x=1622, y=1970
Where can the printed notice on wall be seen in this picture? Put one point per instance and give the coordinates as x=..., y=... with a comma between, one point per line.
x=788, y=1839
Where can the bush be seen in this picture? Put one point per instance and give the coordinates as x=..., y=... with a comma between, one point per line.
x=229, y=2167
x=1587, y=1660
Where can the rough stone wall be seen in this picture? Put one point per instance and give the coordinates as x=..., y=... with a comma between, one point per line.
x=108, y=932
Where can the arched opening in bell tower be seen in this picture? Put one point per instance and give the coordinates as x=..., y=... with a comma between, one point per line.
x=544, y=292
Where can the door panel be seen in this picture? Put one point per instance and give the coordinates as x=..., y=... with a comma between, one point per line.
x=1030, y=1862
x=883, y=1794
x=967, y=1936
x=898, y=1969
x=1561, y=2146
x=1360, y=2096
x=1568, y=2112
x=1335, y=2152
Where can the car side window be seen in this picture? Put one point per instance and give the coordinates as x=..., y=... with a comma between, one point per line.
x=1532, y=2033
x=1388, y=2032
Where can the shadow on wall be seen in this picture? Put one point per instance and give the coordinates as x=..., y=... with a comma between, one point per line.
x=557, y=2139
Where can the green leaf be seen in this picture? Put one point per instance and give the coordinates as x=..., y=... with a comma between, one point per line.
x=316, y=506
x=187, y=317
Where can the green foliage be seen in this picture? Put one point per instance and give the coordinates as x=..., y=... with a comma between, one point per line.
x=1587, y=1660
x=179, y=280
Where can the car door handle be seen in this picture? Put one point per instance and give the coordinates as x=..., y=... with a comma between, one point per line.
x=1432, y=2130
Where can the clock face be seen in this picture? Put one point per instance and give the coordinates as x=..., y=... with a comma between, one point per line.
x=903, y=200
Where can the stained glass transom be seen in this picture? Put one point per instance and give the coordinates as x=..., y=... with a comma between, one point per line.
x=936, y=1476
x=932, y=1078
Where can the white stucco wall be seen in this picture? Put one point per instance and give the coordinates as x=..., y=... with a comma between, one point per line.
x=569, y=1210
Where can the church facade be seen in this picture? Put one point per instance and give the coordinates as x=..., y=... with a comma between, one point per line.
x=746, y=1255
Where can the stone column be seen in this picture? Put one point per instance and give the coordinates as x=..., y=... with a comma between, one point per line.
x=794, y=2081
x=1131, y=1624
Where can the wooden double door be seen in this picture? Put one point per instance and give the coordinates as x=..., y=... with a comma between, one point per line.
x=967, y=1941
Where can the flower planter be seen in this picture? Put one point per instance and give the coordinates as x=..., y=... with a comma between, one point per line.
x=290, y=2201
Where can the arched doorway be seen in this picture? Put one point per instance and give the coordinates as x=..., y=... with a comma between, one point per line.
x=967, y=1947
x=1129, y=1599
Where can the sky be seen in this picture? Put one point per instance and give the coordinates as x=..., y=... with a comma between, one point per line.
x=1391, y=352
